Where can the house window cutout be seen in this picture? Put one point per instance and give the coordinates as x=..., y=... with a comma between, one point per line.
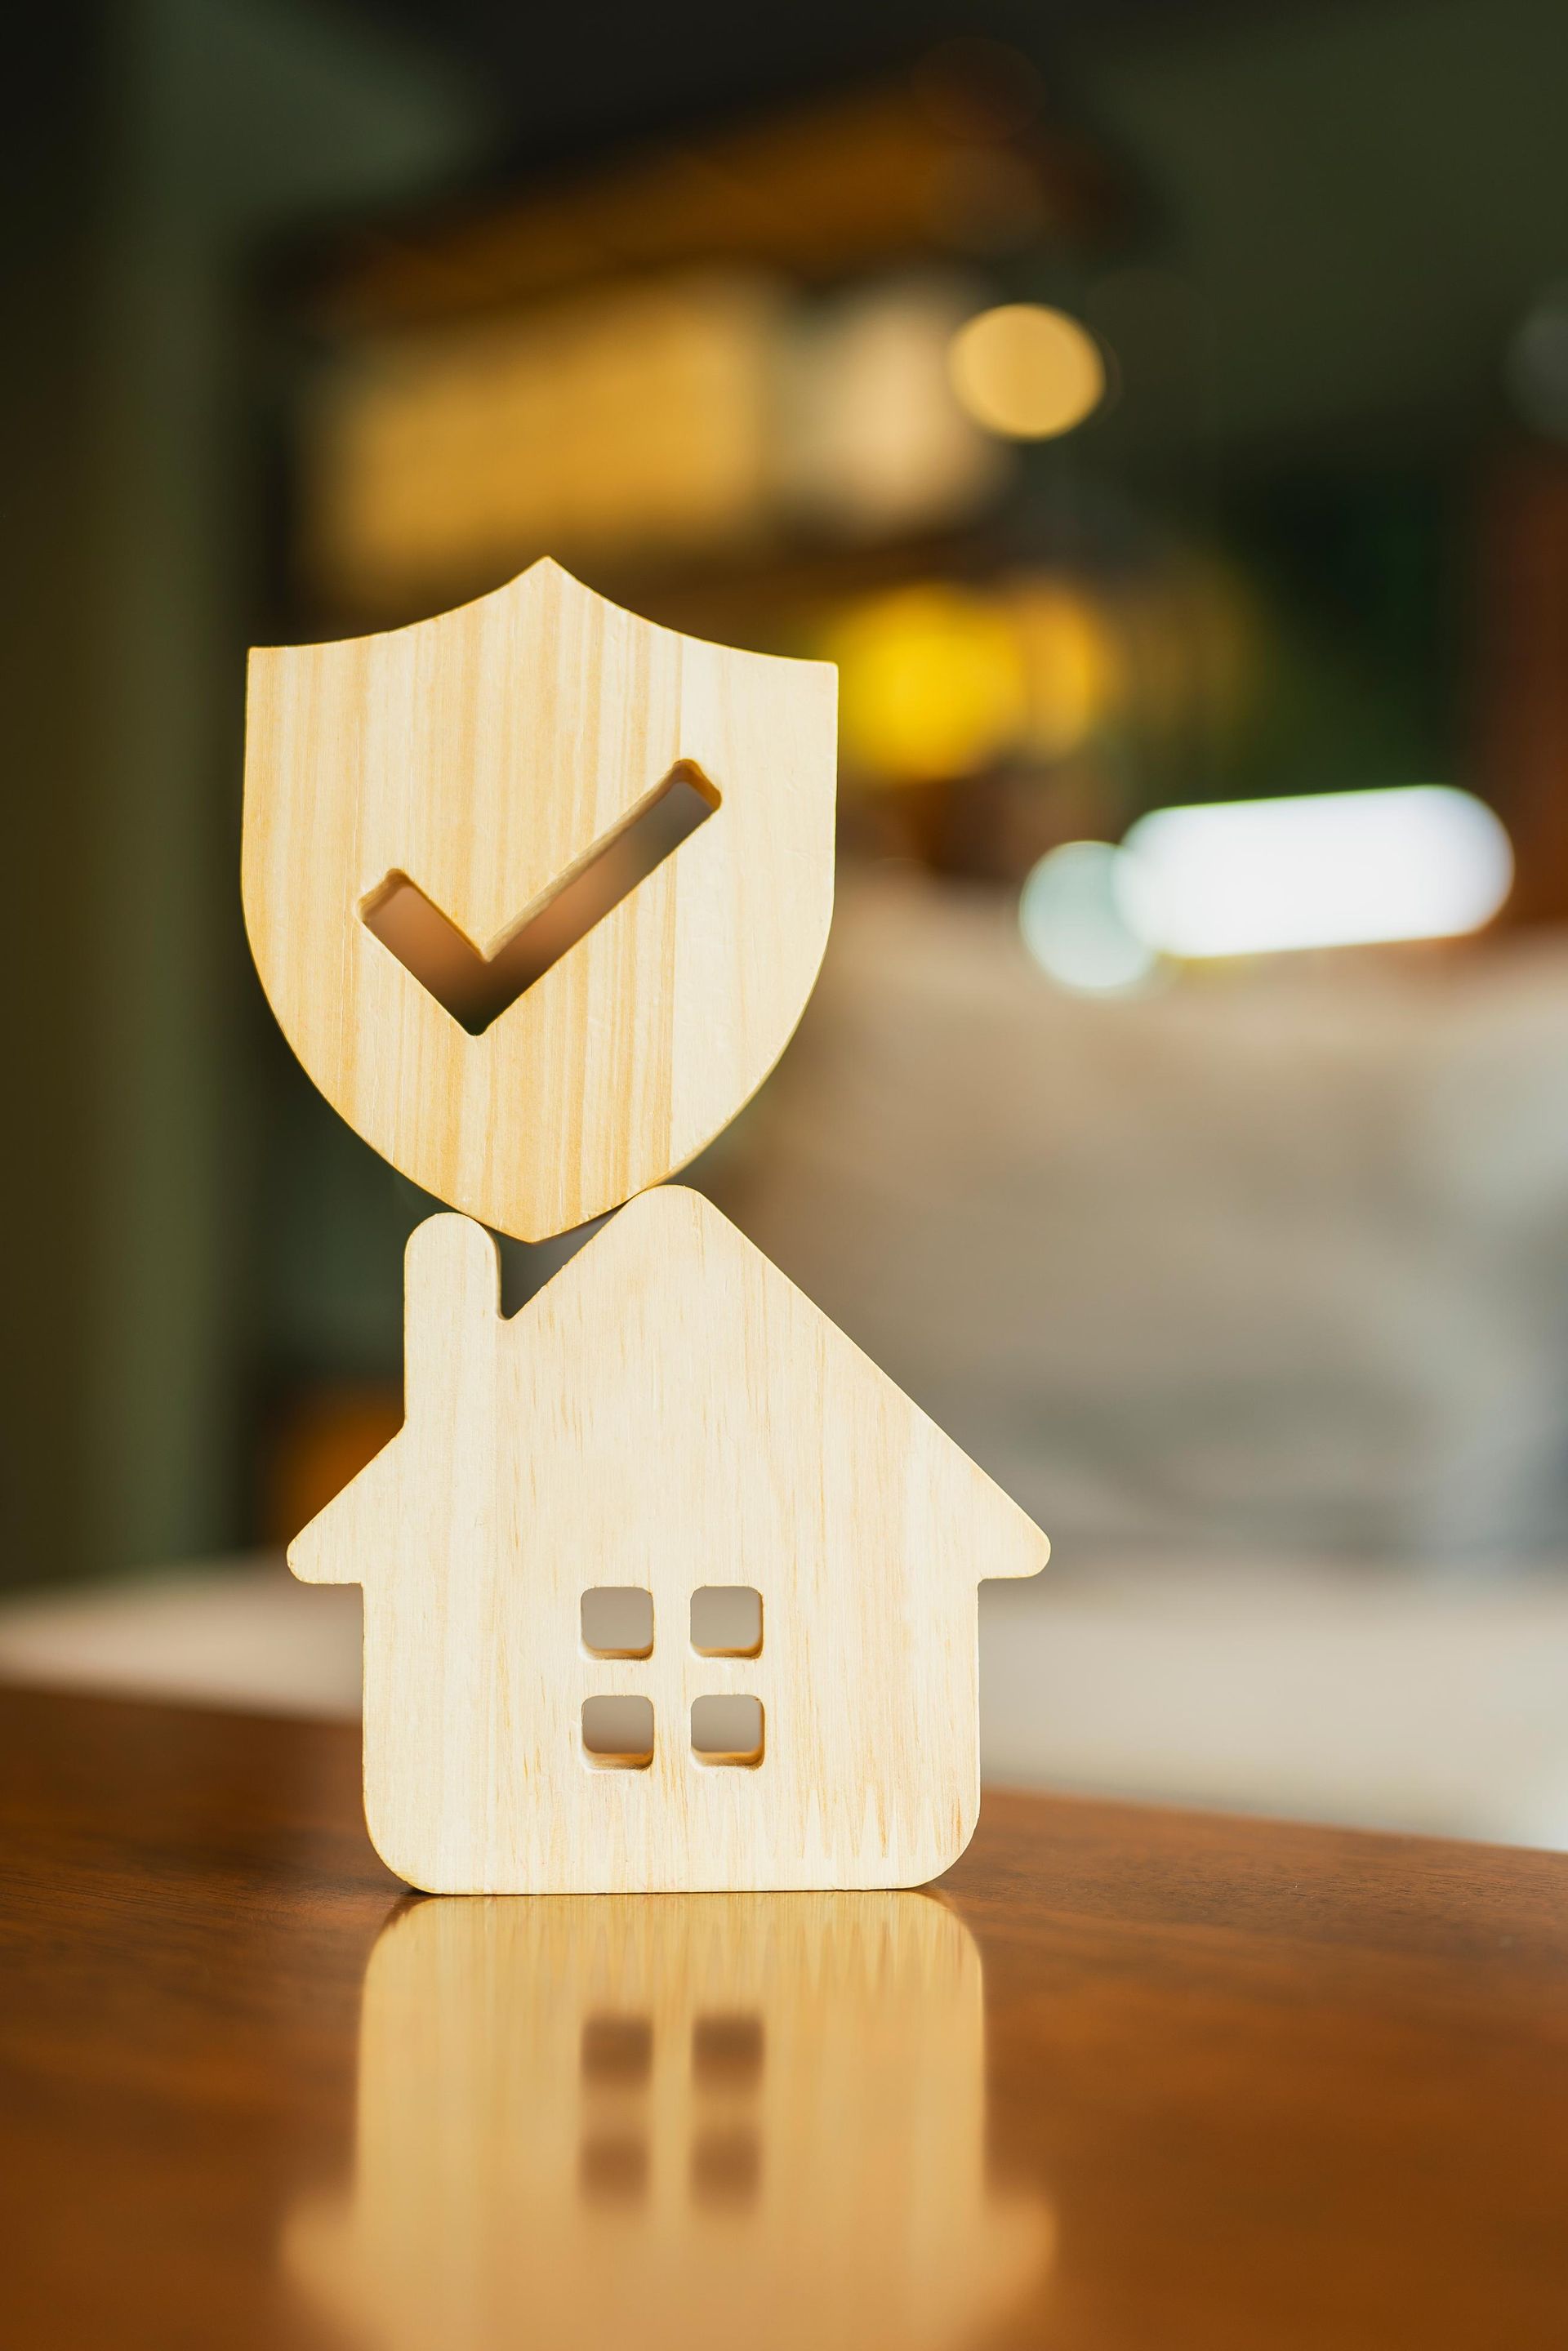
x=726, y=2169
x=728, y=2052
x=476, y=988
x=617, y=1733
x=727, y=1730
x=613, y=2170
x=727, y=1619
x=617, y=1621
x=617, y=2050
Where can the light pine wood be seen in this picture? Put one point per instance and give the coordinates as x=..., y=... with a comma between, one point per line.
x=737, y=2120
x=668, y=1412
x=487, y=755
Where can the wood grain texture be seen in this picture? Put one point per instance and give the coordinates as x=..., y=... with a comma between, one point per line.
x=487, y=755
x=669, y=1413
x=1262, y=2086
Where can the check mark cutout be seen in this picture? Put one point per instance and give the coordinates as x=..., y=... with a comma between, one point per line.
x=476, y=988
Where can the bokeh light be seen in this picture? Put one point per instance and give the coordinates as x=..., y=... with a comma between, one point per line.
x=1329, y=869
x=1071, y=663
x=1026, y=372
x=870, y=440
x=1073, y=926
x=931, y=685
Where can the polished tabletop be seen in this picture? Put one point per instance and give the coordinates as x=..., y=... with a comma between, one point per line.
x=1127, y=2080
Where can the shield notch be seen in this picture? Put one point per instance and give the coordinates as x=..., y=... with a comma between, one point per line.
x=489, y=754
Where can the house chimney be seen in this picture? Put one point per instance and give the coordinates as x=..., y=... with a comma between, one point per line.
x=452, y=1291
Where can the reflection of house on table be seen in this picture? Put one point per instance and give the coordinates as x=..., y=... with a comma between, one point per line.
x=618, y=2121
x=668, y=1416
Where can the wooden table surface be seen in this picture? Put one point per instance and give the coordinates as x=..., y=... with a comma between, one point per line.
x=1132, y=2081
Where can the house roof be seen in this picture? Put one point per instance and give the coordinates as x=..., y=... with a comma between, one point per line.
x=671, y=1343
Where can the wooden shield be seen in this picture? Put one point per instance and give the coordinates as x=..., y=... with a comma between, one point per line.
x=471, y=768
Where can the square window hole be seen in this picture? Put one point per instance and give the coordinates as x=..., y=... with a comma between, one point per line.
x=613, y=2170
x=727, y=2051
x=618, y=1732
x=617, y=2049
x=727, y=1619
x=618, y=1620
x=727, y=2168
x=726, y=1730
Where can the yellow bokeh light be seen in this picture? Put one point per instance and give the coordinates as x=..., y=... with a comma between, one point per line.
x=1071, y=665
x=931, y=685
x=1026, y=372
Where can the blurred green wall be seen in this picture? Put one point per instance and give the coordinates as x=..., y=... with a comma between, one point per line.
x=151, y=152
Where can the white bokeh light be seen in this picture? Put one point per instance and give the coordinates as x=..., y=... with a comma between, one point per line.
x=1331, y=869
x=1074, y=927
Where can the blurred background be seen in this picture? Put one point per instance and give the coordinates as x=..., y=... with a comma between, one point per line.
x=1150, y=405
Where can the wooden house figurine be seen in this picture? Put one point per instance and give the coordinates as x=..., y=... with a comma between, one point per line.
x=670, y=1420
